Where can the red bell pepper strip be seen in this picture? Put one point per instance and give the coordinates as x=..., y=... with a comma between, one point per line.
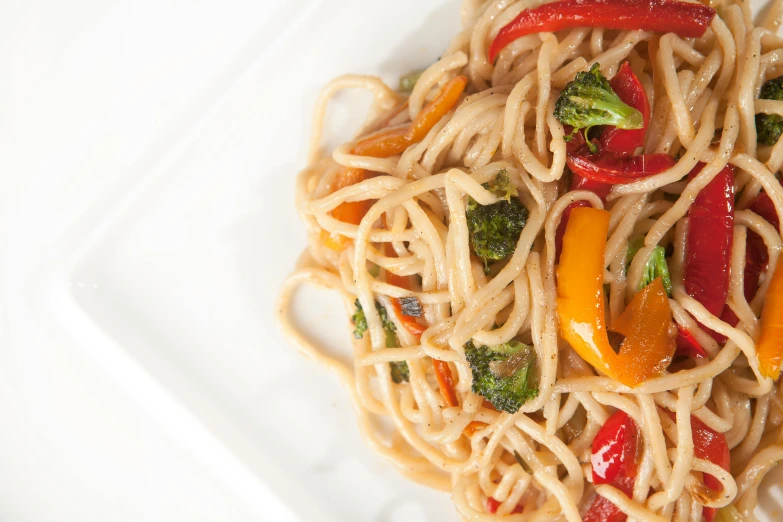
x=493, y=505
x=614, y=461
x=756, y=255
x=618, y=141
x=688, y=346
x=608, y=168
x=689, y=20
x=708, y=241
x=629, y=89
x=709, y=445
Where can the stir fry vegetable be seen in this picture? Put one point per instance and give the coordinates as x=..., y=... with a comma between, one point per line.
x=769, y=348
x=614, y=460
x=655, y=267
x=689, y=20
x=708, y=242
x=589, y=101
x=408, y=81
x=756, y=255
x=494, y=229
x=389, y=143
x=646, y=323
x=624, y=142
x=608, y=168
x=709, y=445
x=505, y=375
x=769, y=127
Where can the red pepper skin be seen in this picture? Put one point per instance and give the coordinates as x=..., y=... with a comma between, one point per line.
x=493, y=505
x=688, y=346
x=614, y=461
x=661, y=16
x=709, y=445
x=608, y=168
x=756, y=255
x=628, y=88
x=709, y=241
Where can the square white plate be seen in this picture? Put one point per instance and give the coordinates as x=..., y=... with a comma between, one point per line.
x=182, y=271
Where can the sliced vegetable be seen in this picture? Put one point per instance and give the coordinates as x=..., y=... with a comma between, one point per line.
x=394, y=141
x=709, y=445
x=608, y=168
x=494, y=229
x=709, y=240
x=728, y=514
x=408, y=81
x=409, y=322
x=614, y=460
x=589, y=100
x=655, y=267
x=756, y=255
x=505, y=374
x=629, y=89
x=769, y=348
x=689, y=20
x=350, y=212
x=399, y=371
x=769, y=127
x=688, y=346
x=360, y=321
x=646, y=323
x=445, y=382
x=493, y=505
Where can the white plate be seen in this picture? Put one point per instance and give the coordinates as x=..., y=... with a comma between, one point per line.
x=182, y=270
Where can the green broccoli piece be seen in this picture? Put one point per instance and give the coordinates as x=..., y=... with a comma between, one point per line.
x=360, y=321
x=494, y=229
x=655, y=267
x=769, y=127
x=505, y=375
x=501, y=184
x=400, y=371
x=589, y=100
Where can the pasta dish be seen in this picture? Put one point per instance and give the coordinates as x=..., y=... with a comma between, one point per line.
x=557, y=249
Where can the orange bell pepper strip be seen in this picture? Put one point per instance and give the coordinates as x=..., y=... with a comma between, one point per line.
x=394, y=141
x=389, y=143
x=646, y=324
x=769, y=349
x=445, y=382
x=350, y=212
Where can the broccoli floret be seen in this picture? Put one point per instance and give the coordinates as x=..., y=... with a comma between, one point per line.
x=360, y=321
x=400, y=371
x=505, y=375
x=494, y=229
x=589, y=100
x=502, y=187
x=655, y=267
x=769, y=127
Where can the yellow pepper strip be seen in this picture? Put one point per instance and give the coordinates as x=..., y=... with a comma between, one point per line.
x=389, y=143
x=646, y=324
x=769, y=349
